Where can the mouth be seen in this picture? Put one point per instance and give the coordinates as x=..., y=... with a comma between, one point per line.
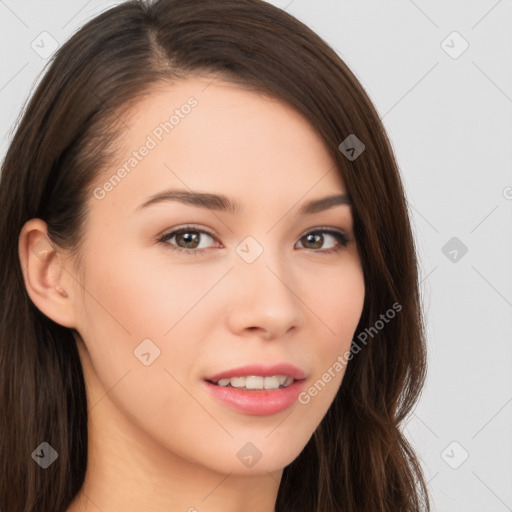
x=258, y=377
x=256, y=389
x=255, y=382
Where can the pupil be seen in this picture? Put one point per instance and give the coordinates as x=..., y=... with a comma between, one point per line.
x=190, y=238
x=318, y=237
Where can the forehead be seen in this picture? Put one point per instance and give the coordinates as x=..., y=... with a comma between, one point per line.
x=205, y=134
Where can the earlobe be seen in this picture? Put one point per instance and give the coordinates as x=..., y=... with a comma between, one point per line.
x=47, y=281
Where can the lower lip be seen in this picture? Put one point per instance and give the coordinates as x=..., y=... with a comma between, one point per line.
x=258, y=402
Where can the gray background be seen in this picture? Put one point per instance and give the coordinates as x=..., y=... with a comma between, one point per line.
x=450, y=123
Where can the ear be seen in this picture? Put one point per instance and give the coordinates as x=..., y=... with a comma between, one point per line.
x=49, y=284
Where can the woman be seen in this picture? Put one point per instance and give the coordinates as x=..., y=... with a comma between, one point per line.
x=209, y=287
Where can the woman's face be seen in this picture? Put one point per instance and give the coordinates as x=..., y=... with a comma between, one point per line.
x=158, y=315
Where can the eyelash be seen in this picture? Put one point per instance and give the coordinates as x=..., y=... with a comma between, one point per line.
x=340, y=237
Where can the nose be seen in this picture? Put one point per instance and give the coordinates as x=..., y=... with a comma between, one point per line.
x=262, y=299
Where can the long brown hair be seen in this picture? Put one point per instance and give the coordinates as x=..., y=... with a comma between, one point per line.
x=357, y=459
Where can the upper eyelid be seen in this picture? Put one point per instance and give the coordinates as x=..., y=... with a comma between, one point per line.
x=178, y=229
x=217, y=235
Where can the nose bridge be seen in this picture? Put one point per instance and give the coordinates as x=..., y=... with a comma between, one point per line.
x=264, y=294
x=264, y=265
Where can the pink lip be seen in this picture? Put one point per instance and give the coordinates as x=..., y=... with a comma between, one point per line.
x=257, y=369
x=258, y=402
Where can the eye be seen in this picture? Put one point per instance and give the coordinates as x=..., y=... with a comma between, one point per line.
x=189, y=237
x=317, y=238
x=187, y=240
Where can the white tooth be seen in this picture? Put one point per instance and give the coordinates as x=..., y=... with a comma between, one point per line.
x=223, y=382
x=282, y=379
x=271, y=382
x=237, y=382
x=288, y=381
x=254, y=382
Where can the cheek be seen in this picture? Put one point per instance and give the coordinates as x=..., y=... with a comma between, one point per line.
x=145, y=297
x=128, y=305
x=338, y=304
x=132, y=308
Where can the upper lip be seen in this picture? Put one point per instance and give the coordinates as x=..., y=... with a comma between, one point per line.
x=285, y=369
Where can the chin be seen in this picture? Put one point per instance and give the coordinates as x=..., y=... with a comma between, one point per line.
x=257, y=457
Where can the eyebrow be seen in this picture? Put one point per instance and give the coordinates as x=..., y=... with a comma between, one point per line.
x=221, y=202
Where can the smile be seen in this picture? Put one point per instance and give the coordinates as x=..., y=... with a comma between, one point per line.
x=256, y=382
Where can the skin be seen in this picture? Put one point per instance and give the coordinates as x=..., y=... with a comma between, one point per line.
x=157, y=439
